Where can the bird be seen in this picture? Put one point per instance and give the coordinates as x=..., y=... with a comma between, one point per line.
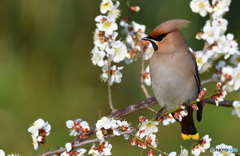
x=174, y=73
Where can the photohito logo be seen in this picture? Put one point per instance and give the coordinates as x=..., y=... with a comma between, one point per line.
x=221, y=150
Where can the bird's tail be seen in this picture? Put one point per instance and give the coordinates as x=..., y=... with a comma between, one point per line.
x=188, y=129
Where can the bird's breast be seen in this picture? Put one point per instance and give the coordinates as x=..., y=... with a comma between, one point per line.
x=173, y=79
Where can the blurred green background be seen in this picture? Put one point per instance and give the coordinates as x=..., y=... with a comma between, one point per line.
x=46, y=72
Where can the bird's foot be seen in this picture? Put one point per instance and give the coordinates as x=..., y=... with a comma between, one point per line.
x=186, y=105
x=159, y=116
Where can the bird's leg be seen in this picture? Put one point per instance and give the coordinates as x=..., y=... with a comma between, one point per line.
x=159, y=116
x=186, y=105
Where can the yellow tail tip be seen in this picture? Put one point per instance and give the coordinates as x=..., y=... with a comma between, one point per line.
x=187, y=137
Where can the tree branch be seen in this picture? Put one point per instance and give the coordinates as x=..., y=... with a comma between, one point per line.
x=123, y=112
x=85, y=142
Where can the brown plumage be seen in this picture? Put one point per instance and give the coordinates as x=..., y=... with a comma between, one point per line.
x=174, y=73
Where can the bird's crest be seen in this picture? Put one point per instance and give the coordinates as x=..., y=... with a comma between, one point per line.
x=168, y=27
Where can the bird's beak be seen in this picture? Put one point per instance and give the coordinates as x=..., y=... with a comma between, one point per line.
x=147, y=38
x=152, y=41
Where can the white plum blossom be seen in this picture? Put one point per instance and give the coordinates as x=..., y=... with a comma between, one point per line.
x=40, y=130
x=2, y=153
x=235, y=59
x=75, y=152
x=200, y=6
x=109, y=27
x=236, y=111
x=77, y=127
x=227, y=45
x=181, y=114
x=127, y=28
x=203, y=61
x=117, y=52
x=219, y=22
x=97, y=57
x=236, y=78
x=136, y=47
x=139, y=28
x=219, y=7
x=168, y=119
x=184, y=152
x=100, y=45
x=229, y=75
x=220, y=98
x=202, y=145
x=220, y=65
x=151, y=152
x=107, y=49
x=148, y=53
x=196, y=151
x=146, y=76
x=68, y=146
x=101, y=149
x=105, y=6
x=216, y=76
x=116, y=76
x=123, y=125
x=210, y=33
x=223, y=153
x=114, y=12
x=100, y=135
x=39, y=125
x=205, y=142
x=146, y=128
x=172, y=154
x=104, y=75
x=216, y=42
x=151, y=140
x=106, y=123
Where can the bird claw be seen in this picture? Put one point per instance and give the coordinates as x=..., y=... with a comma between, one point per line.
x=186, y=105
x=159, y=116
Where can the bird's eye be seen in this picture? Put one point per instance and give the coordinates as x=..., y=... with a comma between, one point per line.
x=161, y=37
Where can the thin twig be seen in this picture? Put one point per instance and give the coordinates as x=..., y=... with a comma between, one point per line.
x=206, y=81
x=151, y=110
x=109, y=85
x=129, y=11
x=46, y=146
x=142, y=86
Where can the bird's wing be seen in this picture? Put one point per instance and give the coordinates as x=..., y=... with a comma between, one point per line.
x=196, y=75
